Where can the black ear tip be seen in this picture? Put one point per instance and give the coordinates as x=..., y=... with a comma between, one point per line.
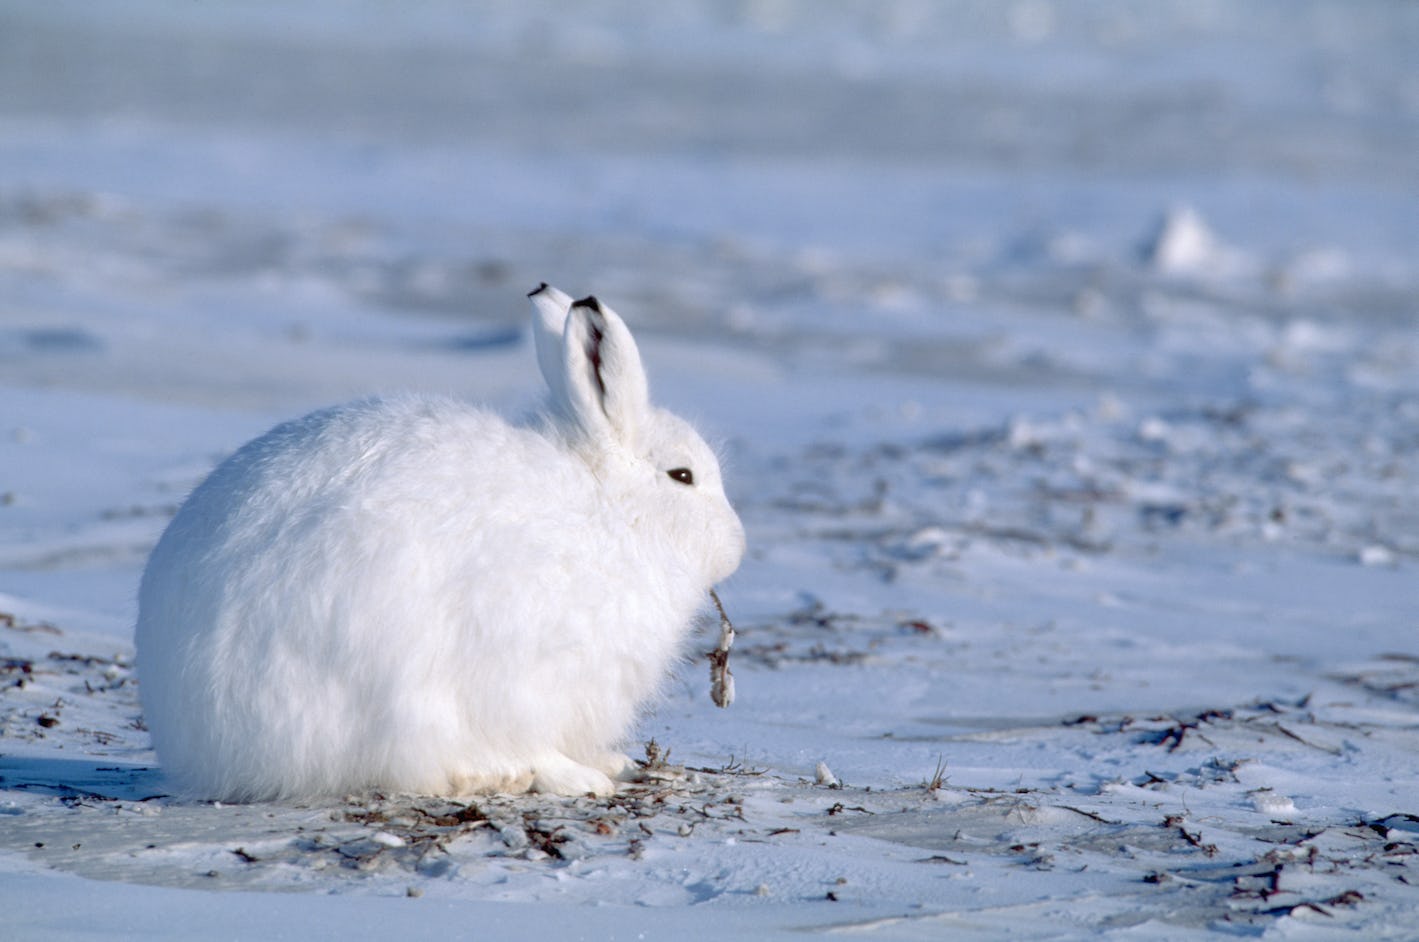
x=589, y=301
x=537, y=290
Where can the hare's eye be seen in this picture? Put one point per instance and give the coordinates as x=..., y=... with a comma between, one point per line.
x=683, y=475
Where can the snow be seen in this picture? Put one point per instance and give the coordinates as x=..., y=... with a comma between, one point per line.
x=1064, y=363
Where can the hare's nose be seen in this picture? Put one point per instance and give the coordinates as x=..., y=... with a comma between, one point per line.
x=734, y=545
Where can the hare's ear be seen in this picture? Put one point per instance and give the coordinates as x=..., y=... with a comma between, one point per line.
x=606, y=390
x=549, y=319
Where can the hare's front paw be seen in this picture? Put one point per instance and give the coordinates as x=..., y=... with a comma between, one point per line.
x=616, y=766
x=558, y=775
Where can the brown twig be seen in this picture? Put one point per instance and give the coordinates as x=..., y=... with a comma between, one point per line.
x=721, y=680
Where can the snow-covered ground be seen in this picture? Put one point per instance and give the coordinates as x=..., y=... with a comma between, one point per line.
x=1065, y=360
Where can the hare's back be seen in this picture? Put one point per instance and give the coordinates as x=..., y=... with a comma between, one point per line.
x=408, y=458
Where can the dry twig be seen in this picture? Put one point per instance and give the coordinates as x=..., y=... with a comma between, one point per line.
x=721, y=680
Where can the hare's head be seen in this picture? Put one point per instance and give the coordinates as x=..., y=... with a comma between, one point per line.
x=652, y=463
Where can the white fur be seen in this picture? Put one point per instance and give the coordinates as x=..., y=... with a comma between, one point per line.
x=412, y=594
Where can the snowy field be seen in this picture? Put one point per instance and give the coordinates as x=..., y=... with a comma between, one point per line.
x=1065, y=362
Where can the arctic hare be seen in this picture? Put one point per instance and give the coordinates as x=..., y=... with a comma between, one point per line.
x=415, y=595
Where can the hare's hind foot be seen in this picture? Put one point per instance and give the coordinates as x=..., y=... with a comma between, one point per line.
x=476, y=784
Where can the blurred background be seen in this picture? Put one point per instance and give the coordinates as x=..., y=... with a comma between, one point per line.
x=917, y=185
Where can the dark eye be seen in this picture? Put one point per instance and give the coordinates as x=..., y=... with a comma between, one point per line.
x=683, y=475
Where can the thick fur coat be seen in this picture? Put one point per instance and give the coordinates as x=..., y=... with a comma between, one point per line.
x=415, y=595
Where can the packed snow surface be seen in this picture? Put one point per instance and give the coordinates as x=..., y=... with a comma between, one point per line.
x=1064, y=360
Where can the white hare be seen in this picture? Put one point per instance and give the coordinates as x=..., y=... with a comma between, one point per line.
x=414, y=595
